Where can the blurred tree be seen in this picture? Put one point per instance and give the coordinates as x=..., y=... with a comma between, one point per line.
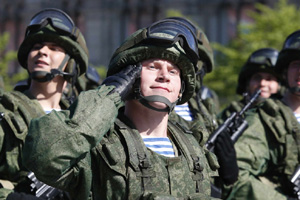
x=6, y=57
x=270, y=27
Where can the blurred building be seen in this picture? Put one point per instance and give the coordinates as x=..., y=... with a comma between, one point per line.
x=106, y=23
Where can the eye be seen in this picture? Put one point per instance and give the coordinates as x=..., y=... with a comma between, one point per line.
x=37, y=46
x=173, y=72
x=256, y=77
x=151, y=67
x=56, y=48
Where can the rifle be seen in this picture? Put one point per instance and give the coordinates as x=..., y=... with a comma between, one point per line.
x=45, y=191
x=235, y=124
x=296, y=181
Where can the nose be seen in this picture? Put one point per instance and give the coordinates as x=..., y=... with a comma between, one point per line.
x=164, y=75
x=263, y=82
x=43, y=50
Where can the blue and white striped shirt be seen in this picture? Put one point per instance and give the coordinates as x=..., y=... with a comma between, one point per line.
x=184, y=111
x=297, y=117
x=160, y=145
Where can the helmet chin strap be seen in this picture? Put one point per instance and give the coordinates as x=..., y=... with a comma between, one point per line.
x=295, y=90
x=44, y=76
x=146, y=100
x=156, y=98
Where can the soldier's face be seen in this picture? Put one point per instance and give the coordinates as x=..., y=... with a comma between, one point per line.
x=160, y=77
x=266, y=82
x=45, y=56
x=293, y=74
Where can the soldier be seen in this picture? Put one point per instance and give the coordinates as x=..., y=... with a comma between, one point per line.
x=53, y=52
x=268, y=151
x=200, y=114
x=198, y=109
x=257, y=73
x=99, y=145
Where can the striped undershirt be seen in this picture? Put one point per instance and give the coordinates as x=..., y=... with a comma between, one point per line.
x=297, y=117
x=184, y=111
x=160, y=145
x=48, y=110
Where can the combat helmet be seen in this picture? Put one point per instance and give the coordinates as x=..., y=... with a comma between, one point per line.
x=166, y=39
x=54, y=25
x=289, y=52
x=206, y=56
x=261, y=60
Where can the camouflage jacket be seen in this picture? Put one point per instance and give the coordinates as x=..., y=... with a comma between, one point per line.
x=204, y=118
x=88, y=149
x=267, y=153
x=234, y=106
x=17, y=110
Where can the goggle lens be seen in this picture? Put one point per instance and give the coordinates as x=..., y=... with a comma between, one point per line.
x=293, y=41
x=59, y=21
x=170, y=32
x=264, y=57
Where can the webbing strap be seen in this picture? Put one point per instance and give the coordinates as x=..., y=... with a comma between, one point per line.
x=197, y=167
x=144, y=162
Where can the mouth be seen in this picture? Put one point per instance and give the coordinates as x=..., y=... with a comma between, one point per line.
x=161, y=88
x=40, y=62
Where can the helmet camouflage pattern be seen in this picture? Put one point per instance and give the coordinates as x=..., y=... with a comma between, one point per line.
x=289, y=52
x=73, y=43
x=132, y=52
x=261, y=60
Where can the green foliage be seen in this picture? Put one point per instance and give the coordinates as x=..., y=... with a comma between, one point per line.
x=101, y=71
x=6, y=58
x=270, y=27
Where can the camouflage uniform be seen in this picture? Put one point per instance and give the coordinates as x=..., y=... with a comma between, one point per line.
x=267, y=153
x=19, y=107
x=93, y=148
x=106, y=147
x=204, y=122
x=261, y=60
x=203, y=108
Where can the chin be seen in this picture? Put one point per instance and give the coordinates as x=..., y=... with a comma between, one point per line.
x=158, y=105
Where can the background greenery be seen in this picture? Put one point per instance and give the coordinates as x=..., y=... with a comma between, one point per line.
x=270, y=27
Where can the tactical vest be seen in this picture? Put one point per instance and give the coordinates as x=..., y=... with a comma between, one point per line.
x=16, y=111
x=285, y=128
x=134, y=172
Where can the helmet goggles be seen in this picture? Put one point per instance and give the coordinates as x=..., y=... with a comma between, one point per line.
x=264, y=56
x=293, y=41
x=59, y=20
x=168, y=32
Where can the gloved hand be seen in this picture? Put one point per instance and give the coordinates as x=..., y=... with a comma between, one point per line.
x=21, y=196
x=292, y=198
x=124, y=80
x=226, y=155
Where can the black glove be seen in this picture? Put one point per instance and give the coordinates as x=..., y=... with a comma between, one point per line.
x=124, y=80
x=226, y=154
x=21, y=196
x=292, y=198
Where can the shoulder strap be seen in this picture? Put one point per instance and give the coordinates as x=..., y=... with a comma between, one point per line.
x=286, y=129
x=197, y=168
x=17, y=110
x=135, y=145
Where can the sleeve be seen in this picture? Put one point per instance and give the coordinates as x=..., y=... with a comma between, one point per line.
x=253, y=158
x=58, y=145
